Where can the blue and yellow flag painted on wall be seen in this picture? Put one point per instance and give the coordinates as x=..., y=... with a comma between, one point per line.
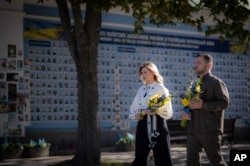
x=39, y=29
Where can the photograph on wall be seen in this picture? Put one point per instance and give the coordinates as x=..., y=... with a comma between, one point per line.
x=3, y=64
x=12, y=107
x=3, y=91
x=20, y=78
x=20, y=52
x=21, y=98
x=26, y=72
x=4, y=107
x=11, y=51
x=21, y=86
x=15, y=131
x=12, y=92
x=12, y=77
x=12, y=119
x=20, y=108
x=2, y=77
x=11, y=64
x=19, y=64
x=4, y=124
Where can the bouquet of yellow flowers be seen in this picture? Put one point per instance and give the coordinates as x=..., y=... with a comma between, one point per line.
x=192, y=94
x=157, y=101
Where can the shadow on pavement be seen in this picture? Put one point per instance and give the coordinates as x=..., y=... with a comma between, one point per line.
x=178, y=156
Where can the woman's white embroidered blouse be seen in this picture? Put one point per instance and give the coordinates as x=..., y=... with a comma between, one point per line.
x=142, y=96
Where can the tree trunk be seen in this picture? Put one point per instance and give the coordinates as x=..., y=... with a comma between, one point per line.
x=83, y=45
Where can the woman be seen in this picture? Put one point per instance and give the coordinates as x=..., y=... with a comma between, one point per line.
x=152, y=131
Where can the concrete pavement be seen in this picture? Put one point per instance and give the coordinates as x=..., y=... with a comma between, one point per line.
x=178, y=156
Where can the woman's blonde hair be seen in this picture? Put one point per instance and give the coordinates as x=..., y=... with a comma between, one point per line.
x=152, y=68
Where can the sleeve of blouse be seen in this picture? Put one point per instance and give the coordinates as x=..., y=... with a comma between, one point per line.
x=134, y=108
x=166, y=111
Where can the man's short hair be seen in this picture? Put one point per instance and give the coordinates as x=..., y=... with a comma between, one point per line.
x=207, y=57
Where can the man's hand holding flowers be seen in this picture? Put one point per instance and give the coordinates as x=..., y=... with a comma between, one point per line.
x=196, y=104
x=191, y=100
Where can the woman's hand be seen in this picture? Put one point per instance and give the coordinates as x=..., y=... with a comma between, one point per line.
x=142, y=114
x=138, y=117
x=147, y=112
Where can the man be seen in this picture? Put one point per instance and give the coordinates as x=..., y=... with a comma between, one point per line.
x=207, y=115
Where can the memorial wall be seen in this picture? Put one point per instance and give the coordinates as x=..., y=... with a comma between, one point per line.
x=120, y=53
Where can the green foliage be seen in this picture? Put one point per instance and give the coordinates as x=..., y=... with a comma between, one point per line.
x=12, y=147
x=240, y=47
x=229, y=16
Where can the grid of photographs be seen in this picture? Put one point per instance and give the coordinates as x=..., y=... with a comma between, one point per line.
x=118, y=69
x=53, y=84
x=53, y=81
x=14, y=93
x=234, y=71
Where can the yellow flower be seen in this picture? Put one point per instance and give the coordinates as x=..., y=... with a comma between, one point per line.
x=157, y=101
x=198, y=88
x=185, y=102
x=151, y=105
x=196, y=97
x=192, y=94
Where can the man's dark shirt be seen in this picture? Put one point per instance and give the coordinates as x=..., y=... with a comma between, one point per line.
x=215, y=98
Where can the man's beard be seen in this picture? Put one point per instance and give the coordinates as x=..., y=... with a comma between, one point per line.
x=200, y=72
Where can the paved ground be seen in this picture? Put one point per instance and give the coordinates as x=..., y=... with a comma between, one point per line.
x=178, y=155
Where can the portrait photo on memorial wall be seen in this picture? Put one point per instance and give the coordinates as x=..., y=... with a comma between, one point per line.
x=2, y=77
x=12, y=92
x=11, y=64
x=3, y=91
x=3, y=64
x=11, y=51
x=19, y=64
x=12, y=77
